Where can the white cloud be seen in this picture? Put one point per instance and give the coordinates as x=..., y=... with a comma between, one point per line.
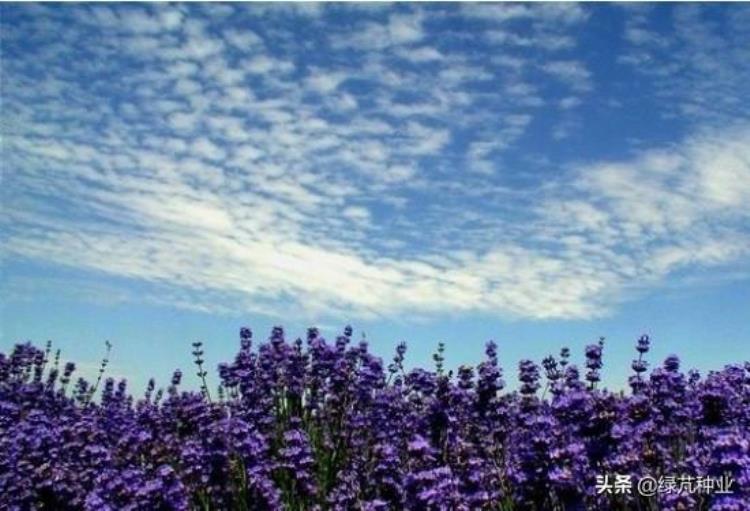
x=398, y=173
x=425, y=139
x=259, y=64
x=405, y=28
x=399, y=29
x=565, y=13
x=356, y=214
x=569, y=102
x=183, y=121
x=224, y=172
x=326, y=82
x=697, y=65
x=571, y=72
x=663, y=205
x=204, y=148
x=243, y=40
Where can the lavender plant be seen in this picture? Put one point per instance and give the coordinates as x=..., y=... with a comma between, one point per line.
x=315, y=425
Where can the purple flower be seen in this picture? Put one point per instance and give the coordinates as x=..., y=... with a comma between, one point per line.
x=313, y=425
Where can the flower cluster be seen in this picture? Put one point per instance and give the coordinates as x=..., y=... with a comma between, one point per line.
x=319, y=425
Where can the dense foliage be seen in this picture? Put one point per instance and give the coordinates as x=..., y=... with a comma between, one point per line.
x=319, y=425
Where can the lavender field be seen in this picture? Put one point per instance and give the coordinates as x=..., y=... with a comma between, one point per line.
x=431, y=171
x=313, y=424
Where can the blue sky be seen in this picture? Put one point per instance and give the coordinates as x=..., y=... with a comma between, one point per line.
x=538, y=174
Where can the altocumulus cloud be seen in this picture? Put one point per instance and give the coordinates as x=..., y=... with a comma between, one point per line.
x=367, y=158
